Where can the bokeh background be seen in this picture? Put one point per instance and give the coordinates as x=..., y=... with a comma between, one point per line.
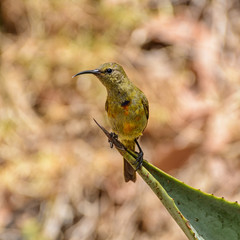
x=58, y=177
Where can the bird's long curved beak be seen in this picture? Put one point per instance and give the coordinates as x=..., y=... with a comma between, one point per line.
x=95, y=71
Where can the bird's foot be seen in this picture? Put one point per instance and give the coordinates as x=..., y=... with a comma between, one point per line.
x=114, y=136
x=139, y=159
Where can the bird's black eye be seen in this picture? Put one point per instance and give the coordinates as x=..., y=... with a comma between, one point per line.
x=108, y=70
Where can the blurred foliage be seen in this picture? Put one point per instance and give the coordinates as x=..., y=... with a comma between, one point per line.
x=59, y=179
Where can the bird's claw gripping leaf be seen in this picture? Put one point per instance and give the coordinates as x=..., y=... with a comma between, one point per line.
x=139, y=160
x=113, y=136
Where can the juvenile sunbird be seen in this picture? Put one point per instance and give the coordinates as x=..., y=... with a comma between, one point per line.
x=127, y=109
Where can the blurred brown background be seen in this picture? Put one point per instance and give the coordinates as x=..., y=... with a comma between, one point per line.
x=58, y=177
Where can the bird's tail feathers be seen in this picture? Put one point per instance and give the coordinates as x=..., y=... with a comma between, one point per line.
x=129, y=172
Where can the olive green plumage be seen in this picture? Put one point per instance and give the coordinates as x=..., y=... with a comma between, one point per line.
x=126, y=106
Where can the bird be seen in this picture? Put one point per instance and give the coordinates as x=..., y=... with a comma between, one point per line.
x=127, y=110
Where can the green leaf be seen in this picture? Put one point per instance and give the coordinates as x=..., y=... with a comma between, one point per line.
x=211, y=217
x=199, y=215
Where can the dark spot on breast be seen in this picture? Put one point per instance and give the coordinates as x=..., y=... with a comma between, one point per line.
x=125, y=103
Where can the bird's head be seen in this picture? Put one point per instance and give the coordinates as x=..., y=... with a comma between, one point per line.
x=110, y=74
